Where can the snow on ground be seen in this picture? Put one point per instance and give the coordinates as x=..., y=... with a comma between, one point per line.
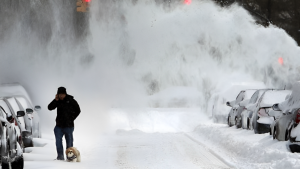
x=244, y=149
x=166, y=138
x=142, y=146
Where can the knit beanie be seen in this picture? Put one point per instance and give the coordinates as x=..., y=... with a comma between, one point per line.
x=61, y=90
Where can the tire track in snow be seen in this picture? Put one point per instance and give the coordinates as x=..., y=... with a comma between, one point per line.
x=211, y=155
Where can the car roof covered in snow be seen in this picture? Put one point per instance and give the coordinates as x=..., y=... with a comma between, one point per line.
x=270, y=97
x=13, y=89
x=293, y=101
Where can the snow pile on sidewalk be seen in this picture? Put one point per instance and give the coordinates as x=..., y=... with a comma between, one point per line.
x=244, y=149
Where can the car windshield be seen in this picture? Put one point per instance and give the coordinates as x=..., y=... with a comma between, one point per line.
x=248, y=94
x=14, y=105
x=272, y=97
x=5, y=107
x=240, y=97
x=254, y=97
x=23, y=102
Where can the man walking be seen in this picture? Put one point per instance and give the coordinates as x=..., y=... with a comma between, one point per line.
x=67, y=111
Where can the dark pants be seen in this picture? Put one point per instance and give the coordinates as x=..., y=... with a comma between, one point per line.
x=59, y=133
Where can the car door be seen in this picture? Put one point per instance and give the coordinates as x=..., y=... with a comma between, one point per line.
x=12, y=131
x=14, y=107
x=23, y=105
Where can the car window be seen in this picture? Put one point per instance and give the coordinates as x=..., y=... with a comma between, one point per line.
x=5, y=107
x=2, y=113
x=23, y=102
x=13, y=104
x=254, y=97
x=240, y=97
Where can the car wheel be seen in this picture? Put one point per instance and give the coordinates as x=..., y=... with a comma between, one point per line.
x=19, y=164
x=22, y=146
x=248, y=123
x=274, y=134
x=237, y=123
x=244, y=126
x=228, y=121
x=287, y=135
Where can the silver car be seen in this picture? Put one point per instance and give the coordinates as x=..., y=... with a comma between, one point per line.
x=10, y=149
x=294, y=127
x=247, y=113
x=263, y=116
x=280, y=129
x=17, y=99
x=32, y=120
x=238, y=105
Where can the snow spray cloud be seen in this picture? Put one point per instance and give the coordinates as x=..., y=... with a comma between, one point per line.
x=131, y=52
x=164, y=44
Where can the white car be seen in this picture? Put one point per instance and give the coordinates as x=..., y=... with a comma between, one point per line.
x=17, y=99
x=10, y=138
x=246, y=115
x=286, y=126
x=217, y=107
x=263, y=115
x=238, y=106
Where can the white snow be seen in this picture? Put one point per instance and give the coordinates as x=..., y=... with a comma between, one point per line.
x=293, y=101
x=246, y=150
x=155, y=138
x=266, y=120
x=295, y=132
x=145, y=54
x=177, y=144
x=271, y=97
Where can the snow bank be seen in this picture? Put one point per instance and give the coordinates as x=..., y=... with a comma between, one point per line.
x=245, y=149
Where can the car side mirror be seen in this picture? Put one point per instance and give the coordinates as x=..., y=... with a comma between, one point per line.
x=228, y=104
x=29, y=111
x=20, y=113
x=276, y=107
x=37, y=108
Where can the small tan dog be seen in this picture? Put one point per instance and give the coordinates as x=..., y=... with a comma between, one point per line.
x=73, y=155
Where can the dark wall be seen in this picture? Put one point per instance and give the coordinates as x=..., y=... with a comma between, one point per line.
x=282, y=13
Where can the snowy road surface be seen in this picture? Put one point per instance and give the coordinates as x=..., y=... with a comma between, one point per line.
x=132, y=150
x=167, y=139
x=151, y=139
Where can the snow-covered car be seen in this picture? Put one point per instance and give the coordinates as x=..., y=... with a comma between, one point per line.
x=10, y=149
x=246, y=115
x=32, y=121
x=238, y=106
x=287, y=120
x=294, y=128
x=280, y=128
x=223, y=92
x=263, y=116
x=17, y=99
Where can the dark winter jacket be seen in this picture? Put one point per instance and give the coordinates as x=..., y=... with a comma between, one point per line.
x=67, y=111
